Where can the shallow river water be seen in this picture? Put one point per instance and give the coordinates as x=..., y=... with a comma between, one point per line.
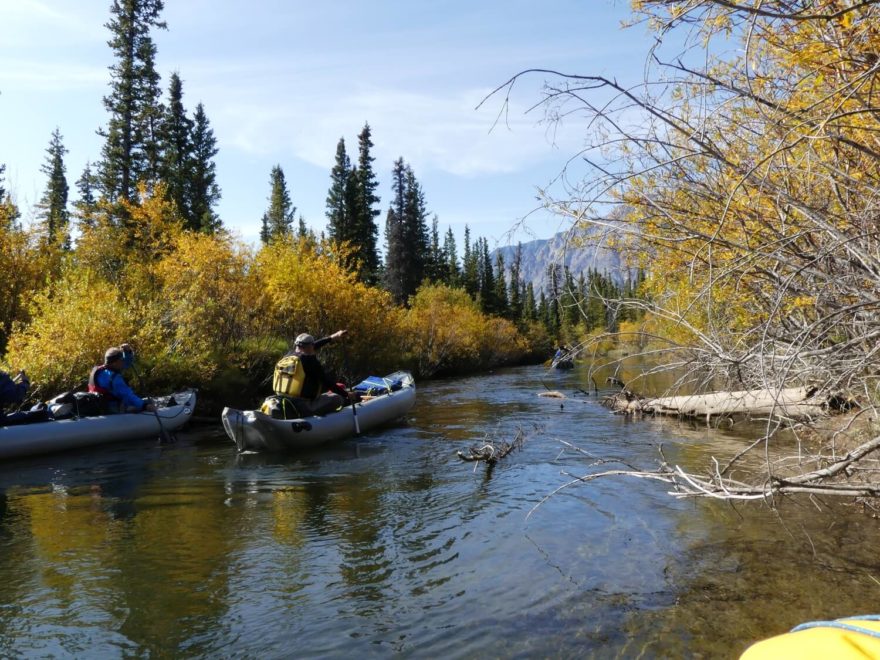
x=391, y=545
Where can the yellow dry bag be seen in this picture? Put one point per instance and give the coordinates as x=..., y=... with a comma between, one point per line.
x=289, y=376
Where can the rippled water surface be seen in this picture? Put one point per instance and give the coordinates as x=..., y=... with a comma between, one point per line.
x=392, y=545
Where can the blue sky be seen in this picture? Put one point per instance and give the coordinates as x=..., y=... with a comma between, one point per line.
x=282, y=81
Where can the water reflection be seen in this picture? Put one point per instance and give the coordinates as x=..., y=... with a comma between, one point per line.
x=390, y=544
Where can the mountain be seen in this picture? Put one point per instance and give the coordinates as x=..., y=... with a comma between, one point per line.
x=539, y=254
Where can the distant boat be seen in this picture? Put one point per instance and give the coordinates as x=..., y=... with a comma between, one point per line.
x=562, y=360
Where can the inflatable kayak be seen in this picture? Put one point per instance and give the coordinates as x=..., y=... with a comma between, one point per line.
x=852, y=637
x=76, y=432
x=252, y=430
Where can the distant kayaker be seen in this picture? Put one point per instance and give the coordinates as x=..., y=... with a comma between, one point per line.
x=313, y=396
x=13, y=389
x=107, y=380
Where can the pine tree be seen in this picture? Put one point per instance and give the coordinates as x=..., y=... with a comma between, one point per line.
x=488, y=301
x=470, y=266
x=86, y=206
x=277, y=221
x=452, y=274
x=52, y=207
x=366, y=230
x=339, y=223
x=406, y=234
x=203, y=193
x=396, y=261
x=516, y=298
x=502, y=303
x=416, y=232
x=177, y=151
x=131, y=149
x=436, y=261
x=2, y=189
x=530, y=308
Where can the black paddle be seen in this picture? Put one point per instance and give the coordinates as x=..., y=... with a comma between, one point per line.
x=354, y=412
x=165, y=437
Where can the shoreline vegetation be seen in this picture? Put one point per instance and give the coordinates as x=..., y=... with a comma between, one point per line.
x=741, y=170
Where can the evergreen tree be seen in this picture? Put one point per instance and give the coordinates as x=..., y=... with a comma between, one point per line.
x=277, y=221
x=416, y=232
x=396, y=261
x=502, y=303
x=366, y=211
x=203, y=193
x=452, y=274
x=530, y=308
x=131, y=148
x=176, y=151
x=2, y=189
x=470, y=266
x=516, y=298
x=488, y=302
x=340, y=226
x=436, y=261
x=542, y=311
x=406, y=234
x=86, y=207
x=52, y=207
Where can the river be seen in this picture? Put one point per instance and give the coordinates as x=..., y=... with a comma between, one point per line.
x=390, y=545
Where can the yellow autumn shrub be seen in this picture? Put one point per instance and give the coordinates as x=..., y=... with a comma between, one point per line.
x=307, y=290
x=445, y=331
x=212, y=303
x=73, y=322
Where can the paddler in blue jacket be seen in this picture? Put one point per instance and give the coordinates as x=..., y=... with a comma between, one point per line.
x=107, y=380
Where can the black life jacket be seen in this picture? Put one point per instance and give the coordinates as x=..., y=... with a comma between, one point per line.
x=103, y=391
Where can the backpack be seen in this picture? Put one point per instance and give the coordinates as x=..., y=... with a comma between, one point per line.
x=89, y=404
x=289, y=376
x=280, y=407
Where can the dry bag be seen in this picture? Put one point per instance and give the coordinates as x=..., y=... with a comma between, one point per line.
x=289, y=376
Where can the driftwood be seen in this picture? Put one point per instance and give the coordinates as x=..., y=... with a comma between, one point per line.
x=791, y=403
x=493, y=451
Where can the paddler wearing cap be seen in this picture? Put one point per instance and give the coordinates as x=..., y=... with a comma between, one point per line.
x=107, y=380
x=314, y=394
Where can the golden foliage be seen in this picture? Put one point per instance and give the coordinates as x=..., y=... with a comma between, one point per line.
x=74, y=322
x=445, y=331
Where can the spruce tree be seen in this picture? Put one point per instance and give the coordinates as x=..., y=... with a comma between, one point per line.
x=86, y=206
x=436, y=260
x=203, y=193
x=416, y=232
x=516, y=298
x=502, y=303
x=52, y=207
x=396, y=261
x=488, y=300
x=395, y=258
x=366, y=211
x=2, y=188
x=452, y=274
x=339, y=224
x=530, y=307
x=277, y=221
x=177, y=151
x=131, y=150
x=470, y=266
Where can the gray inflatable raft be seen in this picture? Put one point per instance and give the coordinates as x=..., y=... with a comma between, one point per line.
x=60, y=435
x=252, y=430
